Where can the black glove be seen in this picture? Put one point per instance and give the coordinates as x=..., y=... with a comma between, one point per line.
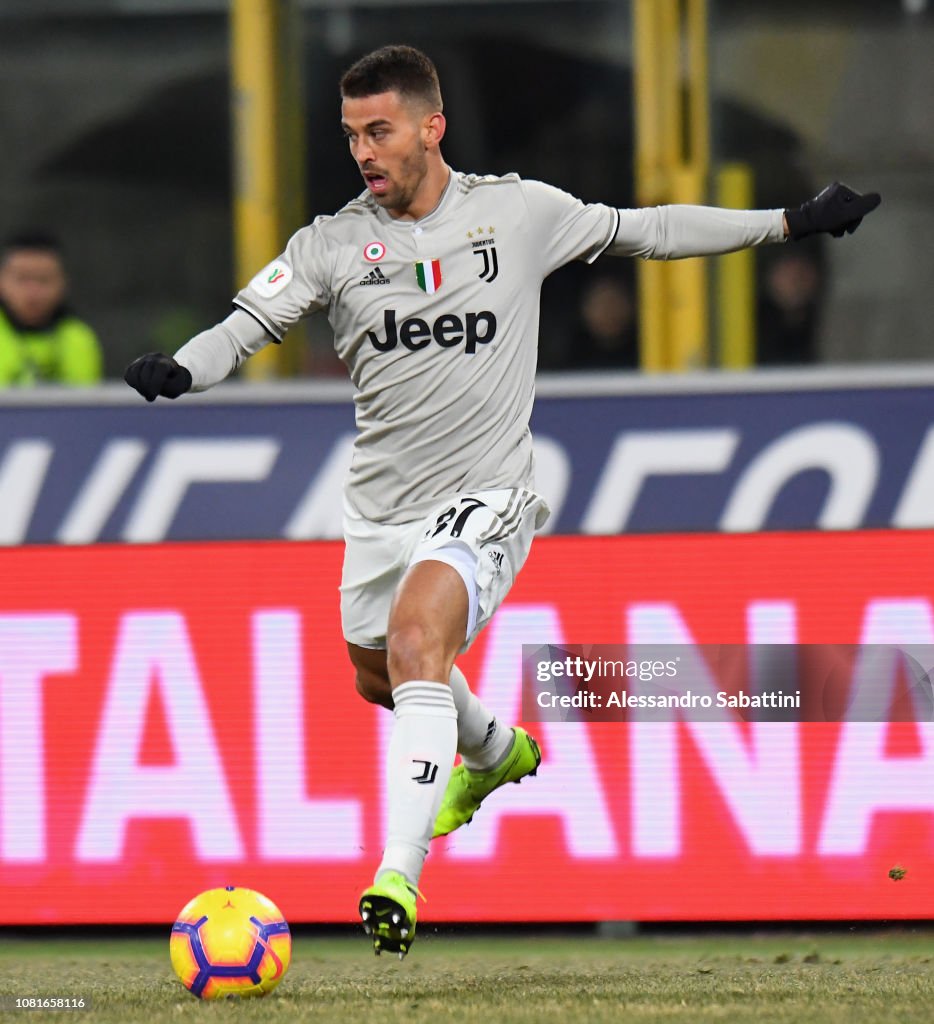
x=837, y=209
x=155, y=374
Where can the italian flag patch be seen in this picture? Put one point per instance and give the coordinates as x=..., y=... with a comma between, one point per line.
x=428, y=275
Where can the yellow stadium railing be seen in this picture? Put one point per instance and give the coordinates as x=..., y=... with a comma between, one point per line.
x=268, y=159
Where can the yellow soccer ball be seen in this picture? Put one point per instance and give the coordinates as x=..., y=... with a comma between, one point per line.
x=230, y=942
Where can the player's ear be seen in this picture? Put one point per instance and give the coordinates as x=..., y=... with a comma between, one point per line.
x=433, y=128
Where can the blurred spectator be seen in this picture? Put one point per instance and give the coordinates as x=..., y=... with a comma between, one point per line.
x=790, y=297
x=40, y=339
x=606, y=336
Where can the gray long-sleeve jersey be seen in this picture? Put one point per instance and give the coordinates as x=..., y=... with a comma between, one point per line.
x=437, y=321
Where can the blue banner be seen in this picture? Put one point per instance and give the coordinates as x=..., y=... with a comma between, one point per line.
x=704, y=454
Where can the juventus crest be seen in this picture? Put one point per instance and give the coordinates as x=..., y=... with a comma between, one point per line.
x=484, y=245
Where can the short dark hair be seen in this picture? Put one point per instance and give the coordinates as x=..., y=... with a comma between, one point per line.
x=401, y=69
x=32, y=240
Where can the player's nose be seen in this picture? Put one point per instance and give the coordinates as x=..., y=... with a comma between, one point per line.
x=362, y=153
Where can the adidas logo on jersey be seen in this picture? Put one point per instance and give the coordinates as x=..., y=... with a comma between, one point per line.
x=447, y=331
x=375, y=276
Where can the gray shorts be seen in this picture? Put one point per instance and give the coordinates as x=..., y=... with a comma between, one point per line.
x=485, y=536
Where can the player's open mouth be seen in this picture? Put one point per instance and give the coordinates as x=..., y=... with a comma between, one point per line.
x=376, y=182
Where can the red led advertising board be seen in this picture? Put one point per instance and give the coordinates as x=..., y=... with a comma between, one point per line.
x=180, y=716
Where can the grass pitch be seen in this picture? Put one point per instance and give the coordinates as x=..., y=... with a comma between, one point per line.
x=884, y=977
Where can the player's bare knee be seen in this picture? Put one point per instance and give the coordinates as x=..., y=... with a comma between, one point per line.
x=417, y=652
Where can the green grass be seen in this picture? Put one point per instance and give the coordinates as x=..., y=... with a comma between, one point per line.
x=884, y=977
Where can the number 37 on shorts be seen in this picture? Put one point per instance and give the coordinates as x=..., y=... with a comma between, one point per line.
x=499, y=523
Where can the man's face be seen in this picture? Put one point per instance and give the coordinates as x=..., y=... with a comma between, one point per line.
x=387, y=139
x=32, y=285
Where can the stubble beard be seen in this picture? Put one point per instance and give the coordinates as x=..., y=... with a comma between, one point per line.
x=412, y=173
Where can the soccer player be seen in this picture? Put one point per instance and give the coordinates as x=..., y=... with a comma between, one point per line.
x=430, y=279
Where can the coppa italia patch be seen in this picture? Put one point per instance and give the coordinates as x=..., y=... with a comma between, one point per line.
x=272, y=279
x=373, y=252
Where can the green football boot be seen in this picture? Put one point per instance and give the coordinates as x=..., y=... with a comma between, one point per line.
x=467, y=790
x=388, y=912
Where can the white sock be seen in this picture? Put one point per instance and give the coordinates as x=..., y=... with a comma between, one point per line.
x=481, y=741
x=421, y=755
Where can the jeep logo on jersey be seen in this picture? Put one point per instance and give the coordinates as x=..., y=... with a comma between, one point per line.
x=448, y=330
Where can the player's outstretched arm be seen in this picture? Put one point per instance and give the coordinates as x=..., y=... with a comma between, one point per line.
x=676, y=232
x=207, y=359
x=837, y=210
